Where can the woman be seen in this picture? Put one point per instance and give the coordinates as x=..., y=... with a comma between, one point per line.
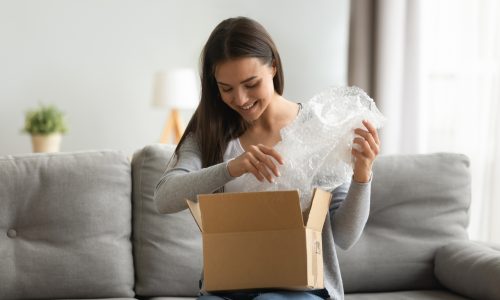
x=233, y=132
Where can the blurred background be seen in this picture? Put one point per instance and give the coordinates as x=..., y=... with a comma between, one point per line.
x=432, y=66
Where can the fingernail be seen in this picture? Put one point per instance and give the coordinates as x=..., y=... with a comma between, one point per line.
x=279, y=174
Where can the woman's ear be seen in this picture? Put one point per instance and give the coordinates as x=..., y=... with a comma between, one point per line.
x=274, y=68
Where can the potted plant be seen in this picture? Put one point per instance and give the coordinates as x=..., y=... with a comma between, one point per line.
x=46, y=126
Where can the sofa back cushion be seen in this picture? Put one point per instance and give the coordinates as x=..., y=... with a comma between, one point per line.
x=65, y=220
x=419, y=203
x=167, y=247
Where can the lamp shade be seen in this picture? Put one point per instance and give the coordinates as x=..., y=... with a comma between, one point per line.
x=176, y=88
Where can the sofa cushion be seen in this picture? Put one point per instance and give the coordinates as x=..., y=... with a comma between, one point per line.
x=66, y=223
x=403, y=295
x=167, y=247
x=407, y=295
x=473, y=269
x=419, y=203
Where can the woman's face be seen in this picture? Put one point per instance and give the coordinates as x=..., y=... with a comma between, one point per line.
x=246, y=85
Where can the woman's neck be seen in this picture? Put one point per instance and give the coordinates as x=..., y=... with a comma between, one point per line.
x=279, y=113
x=266, y=130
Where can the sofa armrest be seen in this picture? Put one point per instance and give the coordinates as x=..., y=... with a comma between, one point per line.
x=469, y=268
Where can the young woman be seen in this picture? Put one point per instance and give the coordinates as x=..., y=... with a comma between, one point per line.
x=233, y=132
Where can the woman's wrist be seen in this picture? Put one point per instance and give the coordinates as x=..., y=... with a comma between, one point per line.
x=364, y=177
x=228, y=167
x=231, y=168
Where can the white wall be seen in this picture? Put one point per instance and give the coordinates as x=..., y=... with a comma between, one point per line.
x=95, y=59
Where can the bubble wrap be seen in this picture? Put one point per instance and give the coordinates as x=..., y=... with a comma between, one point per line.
x=316, y=146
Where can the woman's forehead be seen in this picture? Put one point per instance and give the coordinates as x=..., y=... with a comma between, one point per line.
x=239, y=69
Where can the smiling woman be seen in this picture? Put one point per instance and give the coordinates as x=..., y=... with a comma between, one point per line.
x=234, y=132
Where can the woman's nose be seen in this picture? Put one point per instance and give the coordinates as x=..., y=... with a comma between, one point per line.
x=240, y=97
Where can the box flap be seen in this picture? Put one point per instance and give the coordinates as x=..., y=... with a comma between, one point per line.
x=254, y=211
x=320, y=205
x=194, y=208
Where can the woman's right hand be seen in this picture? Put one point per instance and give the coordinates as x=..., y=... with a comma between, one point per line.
x=256, y=160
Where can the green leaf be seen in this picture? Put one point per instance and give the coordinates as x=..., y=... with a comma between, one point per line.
x=45, y=120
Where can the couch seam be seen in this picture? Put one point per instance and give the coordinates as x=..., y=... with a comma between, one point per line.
x=140, y=209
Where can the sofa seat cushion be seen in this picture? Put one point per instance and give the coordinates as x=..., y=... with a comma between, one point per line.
x=172, y=298
x=167, y=247
x=403, y=295
x=419, y=203
x=407, y=295
x=65, y=220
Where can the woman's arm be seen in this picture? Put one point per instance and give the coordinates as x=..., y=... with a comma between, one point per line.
x=187, y=179
x=349, y=215
x=349, y=211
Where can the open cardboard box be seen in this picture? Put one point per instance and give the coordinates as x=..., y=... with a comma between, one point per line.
x=261, y=240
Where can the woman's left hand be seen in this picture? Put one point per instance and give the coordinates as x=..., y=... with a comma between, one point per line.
x=369, y=145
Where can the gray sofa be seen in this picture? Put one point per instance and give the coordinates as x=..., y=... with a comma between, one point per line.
x=84, y=225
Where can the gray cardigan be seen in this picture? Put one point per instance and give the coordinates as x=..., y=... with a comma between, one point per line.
x=343, y=226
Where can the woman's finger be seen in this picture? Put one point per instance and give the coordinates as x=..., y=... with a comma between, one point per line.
x=256, y=173
x=356, y=153
x=266, y=165
x=252, y=163
x=272, y=152
x=259, y=166
x=372, y=130
x=266, y=160
x=262, y=168
x=369, y=138
x=365, y=147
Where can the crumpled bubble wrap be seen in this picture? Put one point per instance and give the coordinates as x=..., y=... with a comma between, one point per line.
x=316, y=146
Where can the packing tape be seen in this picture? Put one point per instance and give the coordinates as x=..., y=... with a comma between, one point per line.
x=316, y=251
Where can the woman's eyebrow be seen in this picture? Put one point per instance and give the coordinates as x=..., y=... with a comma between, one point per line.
x=246, y=80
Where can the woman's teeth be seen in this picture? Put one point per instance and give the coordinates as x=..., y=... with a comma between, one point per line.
x=249, y=106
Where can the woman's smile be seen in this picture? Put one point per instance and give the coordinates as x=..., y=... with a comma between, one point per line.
x=249, y=106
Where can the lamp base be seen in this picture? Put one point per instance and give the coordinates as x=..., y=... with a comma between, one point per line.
x=173, y=123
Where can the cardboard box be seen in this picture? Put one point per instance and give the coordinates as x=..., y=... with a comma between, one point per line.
x=261, y=240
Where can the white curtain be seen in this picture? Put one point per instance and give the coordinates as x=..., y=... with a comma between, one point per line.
x=433, y=67
x=461, y=87
x=398, y=75
x=385, y=61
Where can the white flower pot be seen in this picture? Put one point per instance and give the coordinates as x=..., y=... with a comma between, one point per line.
x=46, y=143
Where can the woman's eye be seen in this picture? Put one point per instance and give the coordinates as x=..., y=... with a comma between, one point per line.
x=226, y=90
x=252, y=85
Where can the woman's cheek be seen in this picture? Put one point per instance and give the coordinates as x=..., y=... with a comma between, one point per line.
x=267, y=91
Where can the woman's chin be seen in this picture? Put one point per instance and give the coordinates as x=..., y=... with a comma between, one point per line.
x=251, y=114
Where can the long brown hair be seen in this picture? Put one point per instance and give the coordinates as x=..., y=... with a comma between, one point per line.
x=214, y=123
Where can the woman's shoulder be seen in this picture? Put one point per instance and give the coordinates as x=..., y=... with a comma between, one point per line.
x=192, y=144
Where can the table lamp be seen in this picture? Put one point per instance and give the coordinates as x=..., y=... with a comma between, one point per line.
x=176, y=89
